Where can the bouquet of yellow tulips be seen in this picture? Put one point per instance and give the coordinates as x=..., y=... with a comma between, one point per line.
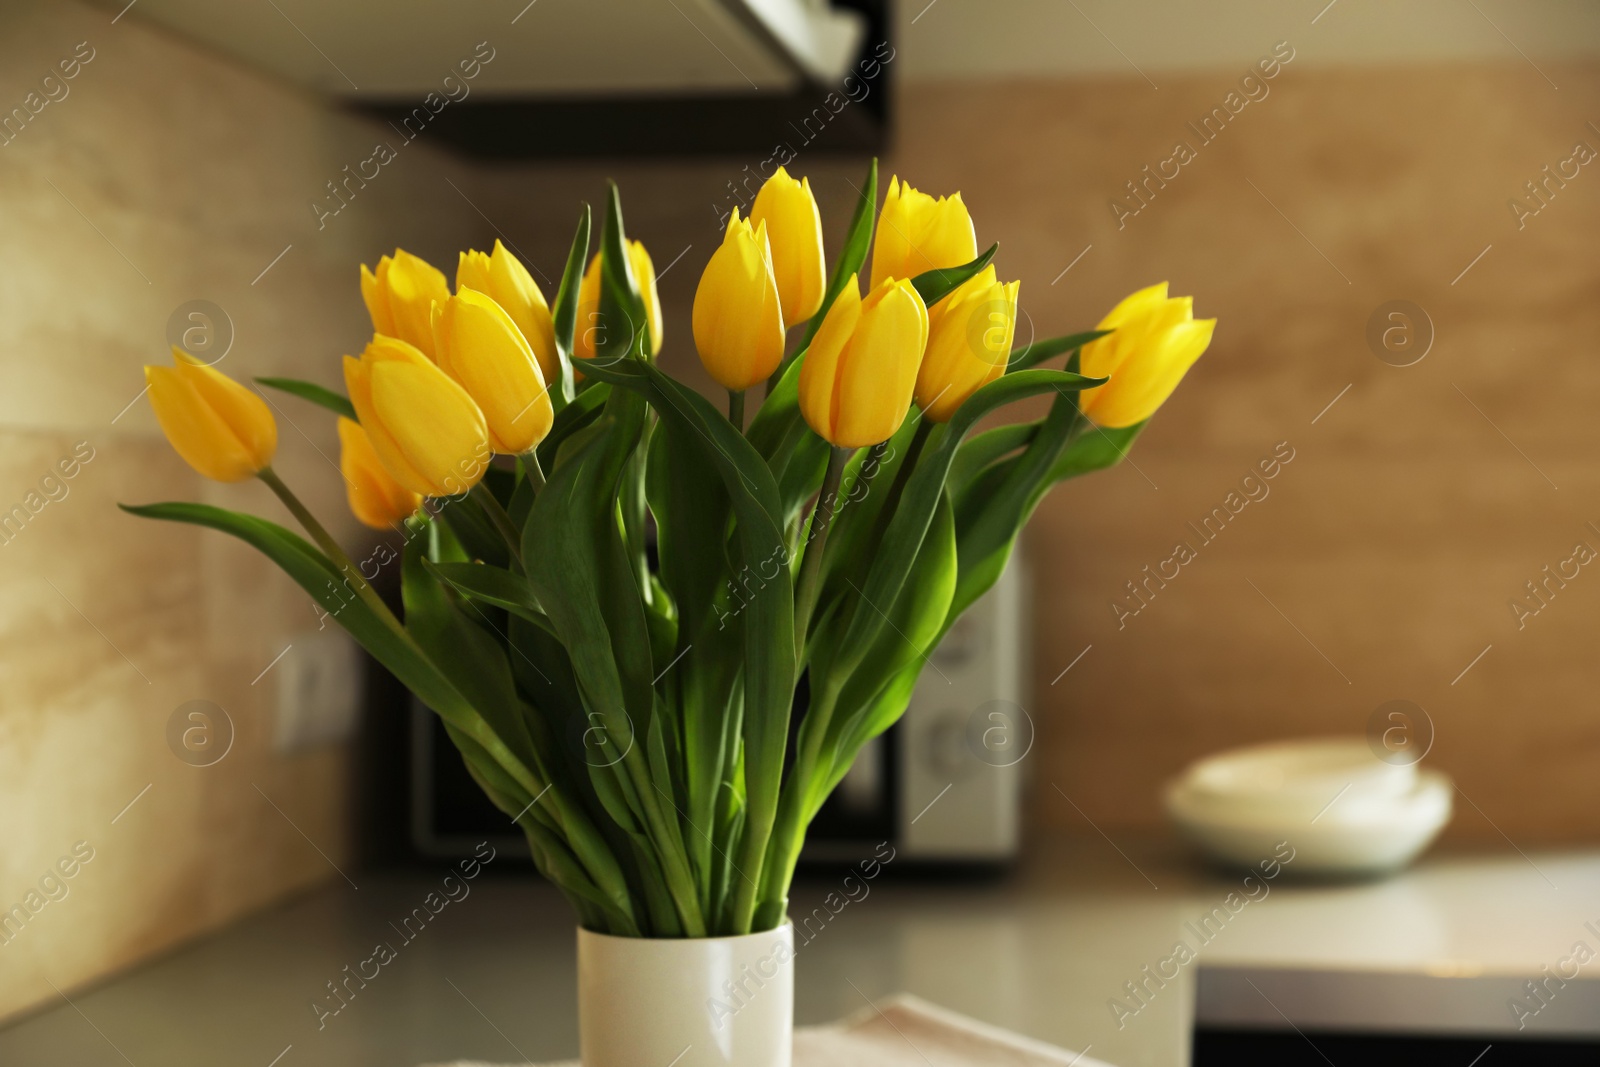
x=612, y=589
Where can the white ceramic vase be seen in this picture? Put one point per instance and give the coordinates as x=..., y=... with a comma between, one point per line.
x=688, y=1002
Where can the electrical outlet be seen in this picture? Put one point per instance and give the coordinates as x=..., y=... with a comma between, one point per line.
x=319, y=690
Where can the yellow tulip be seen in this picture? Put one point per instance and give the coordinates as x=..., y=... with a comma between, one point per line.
x=969, y=344
x=794, y=226
x=1156, y=340
x=477, y=344
x=738, y=321
x=859, y=373
x=428, y=432
x=219, y=427
x=917, y=233
x=502, y=277
x=400, y=296
x=375, y=497
x=590, y=328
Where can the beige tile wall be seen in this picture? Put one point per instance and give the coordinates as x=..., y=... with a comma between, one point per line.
x=1383, y=562
x=163, y=176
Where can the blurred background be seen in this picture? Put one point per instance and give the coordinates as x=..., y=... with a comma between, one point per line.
x=248, y=157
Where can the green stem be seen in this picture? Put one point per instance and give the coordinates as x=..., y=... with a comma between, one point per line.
x=535, y=473
x=870, y=467
x=788, y=833
x=330, y=547
x=897, y=488
x=807, y=587
x=501, y=520
x=736, y=409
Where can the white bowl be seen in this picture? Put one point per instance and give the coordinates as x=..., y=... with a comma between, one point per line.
x=1341, y=814
x=1304, y=774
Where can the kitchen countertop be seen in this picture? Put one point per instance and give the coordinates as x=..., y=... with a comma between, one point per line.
x=1043, y=951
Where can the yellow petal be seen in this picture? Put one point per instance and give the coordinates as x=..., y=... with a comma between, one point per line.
x=483, y=350
x=1159, y=372
x=502, y=276
x=440, y=431
x=196, y=431
x=984, y=279
x=1135, y=305
x=644, y=274
x=400, y=296
x=472, y=272
x=738, y=319
x=246, y=415
x=376, y=298
x=588, y=329
x=819, y=369
x=358, y=383
x=424, y=427
x=969, y=346
x=794, y=226
x=917, y=233
x=376, y=499
x=878, y=372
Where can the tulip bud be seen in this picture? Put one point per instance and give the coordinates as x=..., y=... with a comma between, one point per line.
x=400, y=296
x=794, y=226
x=428, y=432
x=969, y=344
x=917, y=233
x=477, y=344
x=502, y=277
x=1155, y=342
x=859, y=372
x=590, y=328
x=375, y=497
x=220, y=428
x=738, y=321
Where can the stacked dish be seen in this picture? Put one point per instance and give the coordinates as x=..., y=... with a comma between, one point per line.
x=1343, y=810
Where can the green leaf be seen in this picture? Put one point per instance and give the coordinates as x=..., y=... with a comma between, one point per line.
x=579, y=570
x=623, y=329
x=692, y=516
x=795, y=455
x=581, y=413
x=987, y=447
x=857, y=243
x=492, y=585
x=864, y=492
x=1036, y=353
x=913, y=625
x=471, y=658
x=473, y=530
x=564, y=312
x=883, y=711
x=317, y=394
x=998, y=502
x=934, y=285
x=1096, y=450
x=889, y=568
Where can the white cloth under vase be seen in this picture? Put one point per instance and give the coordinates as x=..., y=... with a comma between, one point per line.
x=906, y=1031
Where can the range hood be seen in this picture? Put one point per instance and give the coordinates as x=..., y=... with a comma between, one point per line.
x=564, y=64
